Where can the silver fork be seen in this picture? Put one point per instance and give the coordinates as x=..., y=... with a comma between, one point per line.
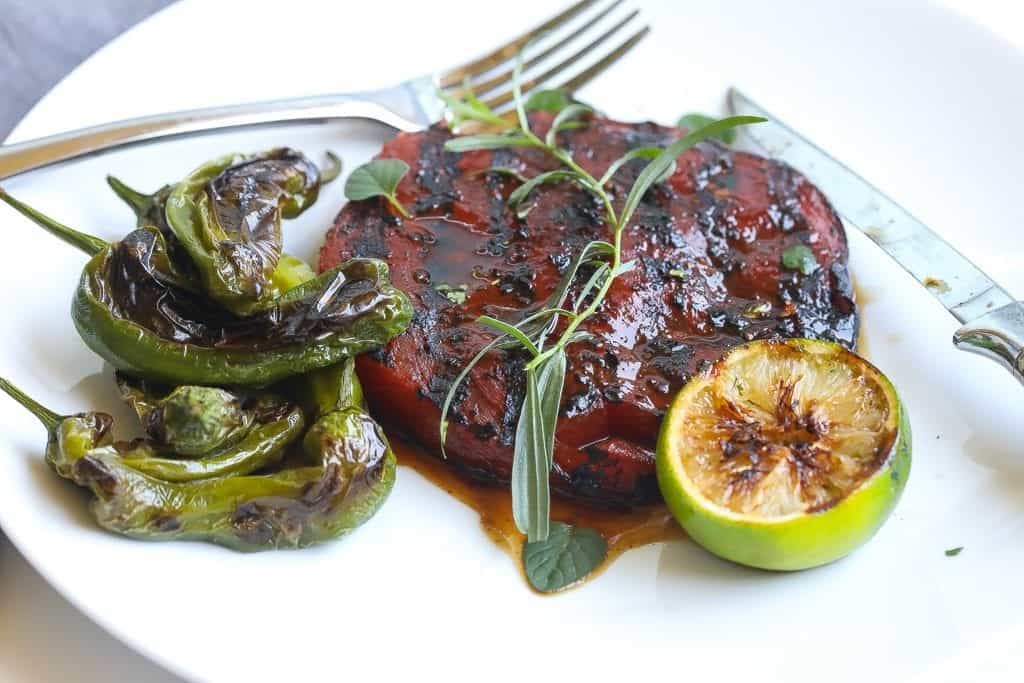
x=409, y=106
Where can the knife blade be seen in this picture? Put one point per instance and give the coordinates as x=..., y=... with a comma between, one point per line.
x=994, y=322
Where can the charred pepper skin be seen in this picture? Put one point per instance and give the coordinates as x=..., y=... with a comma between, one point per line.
x=278, y=425
x=353, y=474
x=341, y=313
x=226, y=216
x=324, y=390
x=190, y=420
x=140, y=312
x=150, y=210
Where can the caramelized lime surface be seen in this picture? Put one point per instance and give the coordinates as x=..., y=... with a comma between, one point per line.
x=780, y=431
x=784, y=454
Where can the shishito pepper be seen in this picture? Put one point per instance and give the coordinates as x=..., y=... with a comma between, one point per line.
x=138, y=310
x=190, y=420
x=324, y=390
x=351, y=474
x=276, y=424
x=226, y=216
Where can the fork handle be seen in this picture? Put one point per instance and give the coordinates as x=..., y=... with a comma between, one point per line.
x=998, y=335
x=33, y=154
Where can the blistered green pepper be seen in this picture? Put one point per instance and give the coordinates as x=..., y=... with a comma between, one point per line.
x=150, y=210
x=190, y=420
x=138, y=310
x=276, y=425
x=326, y=389
x=353, y=473
x=226, y=215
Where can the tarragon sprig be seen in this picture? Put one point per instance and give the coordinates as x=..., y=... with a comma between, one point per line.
x=545, y=371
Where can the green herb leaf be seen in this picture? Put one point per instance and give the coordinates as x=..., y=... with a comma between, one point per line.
x=378, y=178
x=502, y=170
x=534, y=445
x=594, y=283
x=469, y=143
x=517, y=91
x=469, y=108
x=694, y=121
x=456, y=294
x=953, y=552
x=663, y=162
x=457, y=382
x=495, y=343
x=557, y=299
x=578, y=336
x=799, y=257
x=638, y=153
x=624, y=267
x=552, y=101
x=564, y=118
x=521, y=192
x=568, y=555
x=510, y=330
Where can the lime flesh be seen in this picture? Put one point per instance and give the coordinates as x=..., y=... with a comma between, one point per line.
x=784, y=455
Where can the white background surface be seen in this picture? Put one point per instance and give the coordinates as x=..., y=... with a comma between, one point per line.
x=44, y=639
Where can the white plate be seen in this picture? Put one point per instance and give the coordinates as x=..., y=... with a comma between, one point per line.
x=926, y=105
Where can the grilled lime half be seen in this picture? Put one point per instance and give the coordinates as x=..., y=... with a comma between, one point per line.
x=784, y=454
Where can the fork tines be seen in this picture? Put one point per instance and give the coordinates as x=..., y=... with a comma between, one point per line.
x=553, y=61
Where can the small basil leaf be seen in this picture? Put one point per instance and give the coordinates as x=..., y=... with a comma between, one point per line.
x=552, y=101
x=377, y=178
x=799, y=257
x=469, y=143
x=692, y=122
x=568, y=555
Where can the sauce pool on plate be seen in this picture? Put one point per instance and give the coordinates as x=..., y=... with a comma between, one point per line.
x=621, y=529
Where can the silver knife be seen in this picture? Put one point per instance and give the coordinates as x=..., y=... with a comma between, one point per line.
x=993, y=322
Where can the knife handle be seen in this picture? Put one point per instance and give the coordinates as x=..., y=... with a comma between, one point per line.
x=998, y=335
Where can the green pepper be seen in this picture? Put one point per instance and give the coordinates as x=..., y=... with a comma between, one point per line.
x=227, y=216
x=277, y=425
x=150, y=209
x=190, y=420
x=139, y=311
x=294, y=508
x=326, y=389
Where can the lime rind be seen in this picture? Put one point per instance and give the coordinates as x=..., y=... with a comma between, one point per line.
x=798, y=540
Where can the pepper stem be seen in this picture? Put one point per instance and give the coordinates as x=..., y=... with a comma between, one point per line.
x=87, y=243
x=49, y=418
x=140, y=203
x=331, y=169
